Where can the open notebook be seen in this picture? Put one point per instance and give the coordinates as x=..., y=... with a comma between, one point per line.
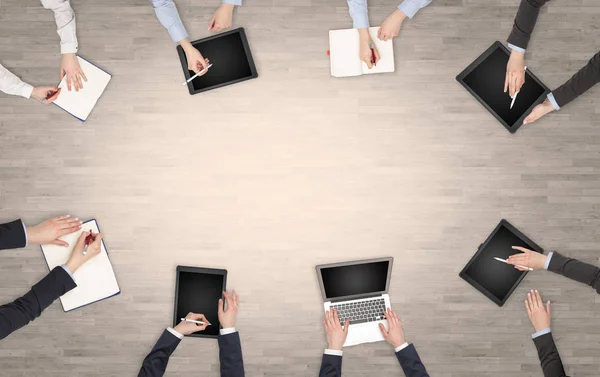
x=80, y=104
x=344, y=52
x=95, y=280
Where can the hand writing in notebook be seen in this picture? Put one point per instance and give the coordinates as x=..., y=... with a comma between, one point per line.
x=77, y=258
x=368, y=51
x=69, y=66
x=51, y=230
x=196, y=62
x=45, y=94
x=187, y=328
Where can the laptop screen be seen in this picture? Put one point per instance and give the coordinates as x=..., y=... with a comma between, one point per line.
x=357, y=279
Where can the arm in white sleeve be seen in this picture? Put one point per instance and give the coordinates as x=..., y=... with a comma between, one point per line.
x=11, y=84
x=411, y=7
x=65, y=24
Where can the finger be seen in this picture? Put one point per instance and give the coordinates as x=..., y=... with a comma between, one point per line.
x=521, y=249
x=506, y=82
x=60, y=243
x=328, y=318
x=548, y=308
x=53, y=98
x=336, y=317
x=540, y=303
x=527, y=308
x=531, y=117
x=346, y=326
x=83, y=75
x=200, y=317
x=62, y=217
x=383, y=331
x=220, y=306
x=211, y=24
x=79, y=82
x=228, y=300
x=69, y=221
x=377, y=56
x=521, y=268
x=69, y=83
x=379, y=33
x=70, y=230
x=235, y=299
x=76, y=82
x=530, y=301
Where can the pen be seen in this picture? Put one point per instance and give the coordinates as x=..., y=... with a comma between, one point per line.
x=50, y=94
x=88, y=240
x=516, y=265
x=192, y=321
x=197, y=74
x=373, y=61
x=515, y=96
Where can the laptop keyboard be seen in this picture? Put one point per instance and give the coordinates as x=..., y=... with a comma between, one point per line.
x=361, y=311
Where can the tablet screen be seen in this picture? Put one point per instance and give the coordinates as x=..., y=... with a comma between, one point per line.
x=496, y=277
x=227, y=55
x=487, y=81
x=199, y=293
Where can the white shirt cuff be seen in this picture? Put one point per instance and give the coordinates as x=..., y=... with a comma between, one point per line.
x=68, y=48
x=516, y=48
x=25, y=231
x=26, y=90
x=540, y=333
x=333, y=352
x=176, y=333
x=401, y=347
x=548, y=259
x=233, y=2
x=553, y=101
x=409, y=8
x=64, y=266
x=228, y=330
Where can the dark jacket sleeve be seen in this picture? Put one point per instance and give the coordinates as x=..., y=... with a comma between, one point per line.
x=331, y=366
x=12, y=235
x=25, y=309
x=583, y=80
x=155, y=364
x=525, y=22
x=230, y=355
x=576, y=270
x=411, y=363
x=549, y=358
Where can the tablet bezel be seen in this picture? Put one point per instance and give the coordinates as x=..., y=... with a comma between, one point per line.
x=186, y=72
x=463, y=275
x=198, y=270
x=460, y=78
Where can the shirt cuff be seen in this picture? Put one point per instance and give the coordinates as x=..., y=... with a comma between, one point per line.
x=516, y=48
x=178, y=32
x=25, y=228
x=176, y=333
x=409, y=8
x=233, y=2
x=548, y=258
x=228, y=330
x=68, y=48
x=553, y=101
x=26, y=90
x=540, y=333
x=333, y=352
x=400, y=348
x=64, y=266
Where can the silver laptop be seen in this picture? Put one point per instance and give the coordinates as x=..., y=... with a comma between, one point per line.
x=358, y=290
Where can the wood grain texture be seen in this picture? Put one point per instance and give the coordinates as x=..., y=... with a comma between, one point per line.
x=272, y=176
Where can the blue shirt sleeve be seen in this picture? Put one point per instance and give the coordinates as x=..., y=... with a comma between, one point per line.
x=359, y=13
x=541, y=332
x=167, y=14
x=516, y=48
x=233, y=2
x=411, y=7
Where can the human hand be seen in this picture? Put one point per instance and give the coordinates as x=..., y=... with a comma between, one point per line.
x=515, y=73
x=222, y=19
x=336, y=335
x=394, y=335
x=196, y=62
x=41, y=92
x=69, y=65
x=187, y=328
x=77, y=259
x=539, y=111
x=539, y=317
x=227, y=316
x=391, y=26
x=527, y=258
x=51, y=230
x=366, y=54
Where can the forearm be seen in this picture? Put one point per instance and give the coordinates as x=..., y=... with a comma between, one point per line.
x=411, y=7
x=410, y=361
x=525, y=22
x=11, y=84
x=359, y=13
x=548, y=354
x=155, y=363
x=230, y=353
x=331, y=364
x=573, y=269
x=582, y=81
x=167, y=14
x=65, y=24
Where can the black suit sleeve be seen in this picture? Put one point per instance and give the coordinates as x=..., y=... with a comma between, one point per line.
x=549, y=358
x=331, y=366
x=230, y=355
x=12, y=235
x=411, y=363
x=576, y=270
x=155, y=364
x=583, y=80
x=25, y=309
x=525, y=22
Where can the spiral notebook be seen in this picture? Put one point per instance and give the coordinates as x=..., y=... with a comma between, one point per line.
x=81, y=103
x=95, y=280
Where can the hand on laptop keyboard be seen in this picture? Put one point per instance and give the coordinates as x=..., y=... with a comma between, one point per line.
x=394, y=335
x=336, y=335
x=361, y=311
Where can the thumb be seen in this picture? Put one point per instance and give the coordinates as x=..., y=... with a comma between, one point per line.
x=548, y=308
x=530, y=118
x=383, y=331
x=220, y=306
x=346, y=326
x=62, y=73
x=59, y=243
x=211, y=24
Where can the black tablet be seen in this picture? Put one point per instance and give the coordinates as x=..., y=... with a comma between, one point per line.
x=231, y=59
x=484, y=79
x=198, y=290
x=495, y=279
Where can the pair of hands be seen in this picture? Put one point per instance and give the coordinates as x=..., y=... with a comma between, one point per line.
x=221, y=20
x=69, y=66
x=389, y=28
x=50, y=231
x=227, y=316
x=515, y=78
x=336, y=334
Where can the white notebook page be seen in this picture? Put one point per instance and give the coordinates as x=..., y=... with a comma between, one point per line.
x=344, y=53
x=95, y=279
x=81, y=103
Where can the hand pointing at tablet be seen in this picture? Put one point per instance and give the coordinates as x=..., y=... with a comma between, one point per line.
x=527, y=258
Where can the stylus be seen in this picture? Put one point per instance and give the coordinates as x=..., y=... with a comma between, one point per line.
x=192, y=321
x=516, y=265
x=197, y=74
x=515, y=96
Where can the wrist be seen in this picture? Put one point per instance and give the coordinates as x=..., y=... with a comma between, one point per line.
x=227, y=6
x=334, y=348
x=72, y=266
x=185, y=44
x=401, y=15
x=363, y=34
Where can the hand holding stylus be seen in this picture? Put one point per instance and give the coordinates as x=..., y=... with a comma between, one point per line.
x=527, y=259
